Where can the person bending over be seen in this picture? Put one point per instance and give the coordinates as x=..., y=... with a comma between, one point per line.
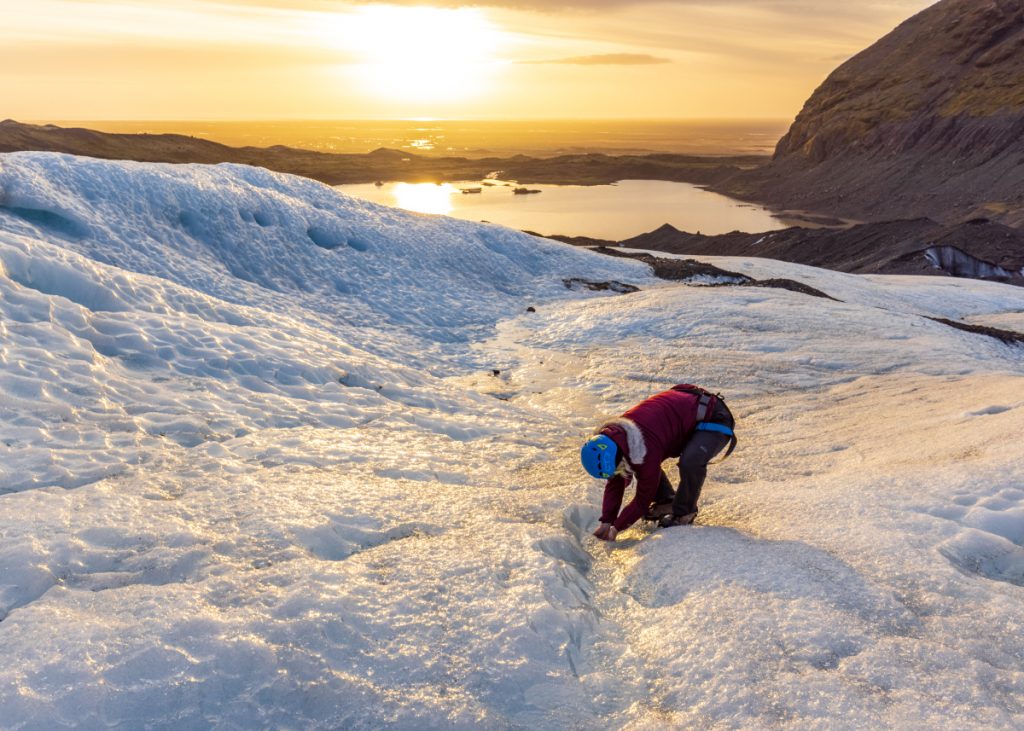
x=685, y=422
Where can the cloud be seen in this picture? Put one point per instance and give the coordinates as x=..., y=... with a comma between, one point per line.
x=35, y=58
x=607, y=59
x=795, y=7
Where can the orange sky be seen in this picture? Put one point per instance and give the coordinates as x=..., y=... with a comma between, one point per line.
x=499, y=59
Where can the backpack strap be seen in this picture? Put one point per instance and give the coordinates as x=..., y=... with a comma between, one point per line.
x=703, y=405
x=705, y=399
x=715, y=427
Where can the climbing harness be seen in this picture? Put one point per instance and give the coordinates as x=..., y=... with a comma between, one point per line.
x=712, y=426
x=703, y=405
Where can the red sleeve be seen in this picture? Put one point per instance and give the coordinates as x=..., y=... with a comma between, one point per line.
x=648, y=476
x=613, y=491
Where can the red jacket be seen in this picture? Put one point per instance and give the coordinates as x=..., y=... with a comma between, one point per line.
x=649, y=433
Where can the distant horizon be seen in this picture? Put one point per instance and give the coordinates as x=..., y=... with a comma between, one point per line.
x=242, y=120
x=470, y=137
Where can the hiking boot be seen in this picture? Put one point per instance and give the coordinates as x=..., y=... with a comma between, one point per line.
x=672, y=520
x=658, y=511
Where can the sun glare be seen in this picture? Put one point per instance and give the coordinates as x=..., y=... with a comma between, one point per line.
x=421, y=53
x=425, y=197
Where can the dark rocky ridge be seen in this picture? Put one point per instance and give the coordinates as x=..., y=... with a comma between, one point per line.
x=686, y=270
x=979, y=249
x=988, y=250
x=1009, y=337
x=928, y=121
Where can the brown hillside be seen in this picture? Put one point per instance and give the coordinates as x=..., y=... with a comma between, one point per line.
x=929, y=121
x=382, y=164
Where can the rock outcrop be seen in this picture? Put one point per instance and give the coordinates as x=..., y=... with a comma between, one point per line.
x=929, y=121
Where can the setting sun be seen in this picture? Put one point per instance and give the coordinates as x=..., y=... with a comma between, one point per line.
x=425, y=197
x=420, y=53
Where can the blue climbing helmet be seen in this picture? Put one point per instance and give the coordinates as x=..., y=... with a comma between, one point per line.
x=599, y=456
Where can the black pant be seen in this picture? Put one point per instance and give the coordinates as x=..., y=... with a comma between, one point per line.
x=702, y=447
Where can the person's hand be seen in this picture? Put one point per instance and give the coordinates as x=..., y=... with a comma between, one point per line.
x=606, y=532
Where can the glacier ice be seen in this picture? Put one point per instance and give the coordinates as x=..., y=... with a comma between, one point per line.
x=258, y=472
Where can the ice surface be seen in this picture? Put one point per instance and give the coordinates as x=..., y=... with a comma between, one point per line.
x=275, y=458
x=1013, y=320
x=289, y=244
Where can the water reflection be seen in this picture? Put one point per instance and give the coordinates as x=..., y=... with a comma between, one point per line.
x=615, y=212
x=424, y=197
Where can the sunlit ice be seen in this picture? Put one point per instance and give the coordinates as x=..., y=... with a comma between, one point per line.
x=419, y=54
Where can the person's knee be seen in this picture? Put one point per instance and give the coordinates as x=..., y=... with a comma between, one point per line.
x=696, y=458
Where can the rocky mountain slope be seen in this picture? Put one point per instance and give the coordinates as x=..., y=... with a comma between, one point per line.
x=929, y=121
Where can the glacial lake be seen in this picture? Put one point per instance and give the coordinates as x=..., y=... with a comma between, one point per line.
x=617, y=211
